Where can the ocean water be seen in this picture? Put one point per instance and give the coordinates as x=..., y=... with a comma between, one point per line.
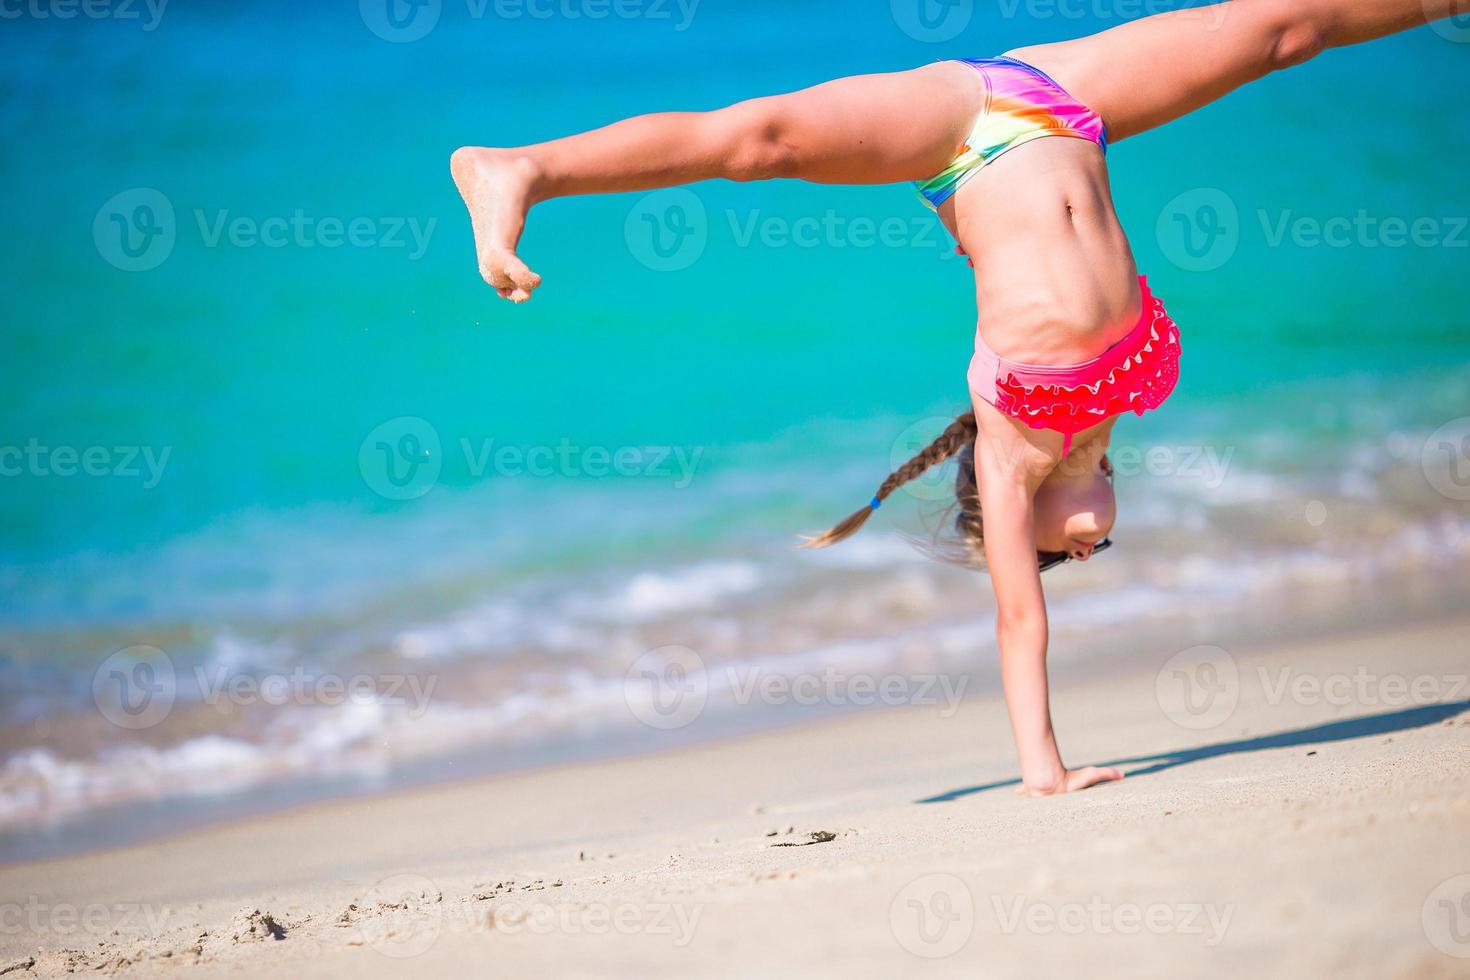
x=263, y=425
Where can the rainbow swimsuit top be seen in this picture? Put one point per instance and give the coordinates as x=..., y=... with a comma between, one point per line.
x=1022, y=103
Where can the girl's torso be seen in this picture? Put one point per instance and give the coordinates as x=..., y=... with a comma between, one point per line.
x=1055, y=280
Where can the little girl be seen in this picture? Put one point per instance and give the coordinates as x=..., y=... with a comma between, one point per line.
x=1068, y=337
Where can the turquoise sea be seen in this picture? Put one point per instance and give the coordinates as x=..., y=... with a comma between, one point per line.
x=261, y=418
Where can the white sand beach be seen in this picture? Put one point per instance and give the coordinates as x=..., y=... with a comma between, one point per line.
x=1320, y=827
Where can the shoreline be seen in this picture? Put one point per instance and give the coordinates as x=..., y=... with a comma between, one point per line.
x=1340, y=819
x=121, y=825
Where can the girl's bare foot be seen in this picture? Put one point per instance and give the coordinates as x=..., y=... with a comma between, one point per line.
x=1072, y=780
x=498, y=188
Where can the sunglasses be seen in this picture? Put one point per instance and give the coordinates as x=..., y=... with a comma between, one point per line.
x=1061, y=557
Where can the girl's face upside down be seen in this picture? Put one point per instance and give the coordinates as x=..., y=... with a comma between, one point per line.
x=1075, y=508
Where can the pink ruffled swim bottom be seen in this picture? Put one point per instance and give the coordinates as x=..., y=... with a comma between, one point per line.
x=1135, y=374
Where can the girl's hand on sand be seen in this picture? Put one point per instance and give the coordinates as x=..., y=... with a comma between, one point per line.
x=1072, y=780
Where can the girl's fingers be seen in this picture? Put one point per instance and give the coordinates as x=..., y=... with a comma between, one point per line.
x=1093, y=775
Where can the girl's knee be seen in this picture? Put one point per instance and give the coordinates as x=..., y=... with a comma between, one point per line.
x=754, y=136
x=1295, y=31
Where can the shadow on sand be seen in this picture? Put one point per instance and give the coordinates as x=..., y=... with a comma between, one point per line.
x=1337, y=731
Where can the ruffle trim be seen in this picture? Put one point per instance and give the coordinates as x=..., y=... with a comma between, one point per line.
x=1140, y=383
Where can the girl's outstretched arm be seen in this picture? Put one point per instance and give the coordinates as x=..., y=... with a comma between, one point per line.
x=1010, y=463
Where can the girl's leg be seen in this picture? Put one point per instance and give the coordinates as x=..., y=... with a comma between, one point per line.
x=1144, y=73
x=869, y=129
